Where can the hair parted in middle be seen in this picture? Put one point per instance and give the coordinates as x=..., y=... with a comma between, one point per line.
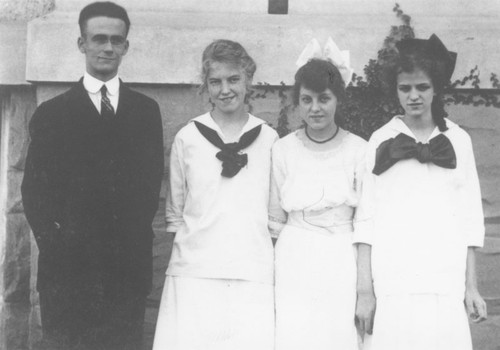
x=431, y=57
x=318, y=75
x=228, y=52
x=435, y=73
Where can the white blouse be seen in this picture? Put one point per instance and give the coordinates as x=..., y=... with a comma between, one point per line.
x=220, y=223
x=319, y=190
x=424, y=217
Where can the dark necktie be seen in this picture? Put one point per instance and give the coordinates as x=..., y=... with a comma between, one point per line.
x=232, y=160
x=107, y=110
x=439, y=151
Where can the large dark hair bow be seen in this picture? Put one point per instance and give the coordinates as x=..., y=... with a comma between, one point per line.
x=439, y=151
x=432, y=48
x=232, y=160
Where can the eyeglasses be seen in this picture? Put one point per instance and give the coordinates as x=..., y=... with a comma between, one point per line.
x=115, y=40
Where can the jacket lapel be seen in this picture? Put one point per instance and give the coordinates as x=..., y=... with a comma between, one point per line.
x=126, y=103
x=80, y=102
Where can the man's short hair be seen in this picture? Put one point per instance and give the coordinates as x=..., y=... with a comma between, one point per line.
x=102, y=8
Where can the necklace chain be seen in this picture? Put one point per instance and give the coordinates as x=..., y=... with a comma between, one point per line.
x=322, y=141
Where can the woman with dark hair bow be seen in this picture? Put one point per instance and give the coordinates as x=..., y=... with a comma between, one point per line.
x=218, y=292
x=428, y=219
x=321, y=255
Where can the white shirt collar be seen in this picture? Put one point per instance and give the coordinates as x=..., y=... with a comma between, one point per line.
x=398, y=124
x=94, y=85
x=207, y=120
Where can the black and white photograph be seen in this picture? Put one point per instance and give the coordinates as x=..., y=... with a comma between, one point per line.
x=249, y=175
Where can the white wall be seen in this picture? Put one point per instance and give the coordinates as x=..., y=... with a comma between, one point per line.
x=166, y=44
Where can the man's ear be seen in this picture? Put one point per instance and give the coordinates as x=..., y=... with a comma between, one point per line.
x=126, y=48
x=81, y=44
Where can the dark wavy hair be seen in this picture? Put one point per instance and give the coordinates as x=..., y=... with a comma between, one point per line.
x=229, y=52
x=434, y=69
x=318, y=75
x=105, y=9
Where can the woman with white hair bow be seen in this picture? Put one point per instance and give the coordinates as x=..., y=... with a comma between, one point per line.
x=322, y=256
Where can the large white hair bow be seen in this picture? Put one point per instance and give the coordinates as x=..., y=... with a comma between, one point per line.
x=331, y=52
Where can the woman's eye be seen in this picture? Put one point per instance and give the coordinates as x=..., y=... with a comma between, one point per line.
x=306, y=100
x=423, y=87
x=324, y=99
x=404, y=88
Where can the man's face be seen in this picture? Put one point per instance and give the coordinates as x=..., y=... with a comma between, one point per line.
x=104, y=43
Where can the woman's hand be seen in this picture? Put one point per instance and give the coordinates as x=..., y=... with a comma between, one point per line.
x=476, y=307
x=475, y=304
x=366, y=301
x=365, y=312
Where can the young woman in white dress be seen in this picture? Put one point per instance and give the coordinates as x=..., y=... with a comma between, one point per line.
x=218, y=292
x=427, y=213
x=315, y=214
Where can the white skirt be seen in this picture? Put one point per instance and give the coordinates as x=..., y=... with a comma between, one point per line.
x=215, y=314
x=315, y=290
x=420, y=322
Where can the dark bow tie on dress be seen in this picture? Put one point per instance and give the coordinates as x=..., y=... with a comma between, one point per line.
x=229, y=154
x=439, y=151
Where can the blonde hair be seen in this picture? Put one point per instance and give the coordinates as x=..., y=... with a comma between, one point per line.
x=229, y=52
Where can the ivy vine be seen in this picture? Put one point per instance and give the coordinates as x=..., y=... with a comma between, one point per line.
x=367, y=106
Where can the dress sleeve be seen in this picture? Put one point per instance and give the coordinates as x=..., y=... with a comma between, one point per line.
x=471, y=211
x=365, y=191
x=177, y=191
x=277, y=216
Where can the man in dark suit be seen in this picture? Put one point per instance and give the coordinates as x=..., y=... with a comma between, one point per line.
x=90, y=192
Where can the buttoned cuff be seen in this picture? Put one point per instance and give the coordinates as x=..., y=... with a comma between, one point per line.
x=174, y=226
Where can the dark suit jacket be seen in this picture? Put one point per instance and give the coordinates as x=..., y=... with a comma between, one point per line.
x=91, y=189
